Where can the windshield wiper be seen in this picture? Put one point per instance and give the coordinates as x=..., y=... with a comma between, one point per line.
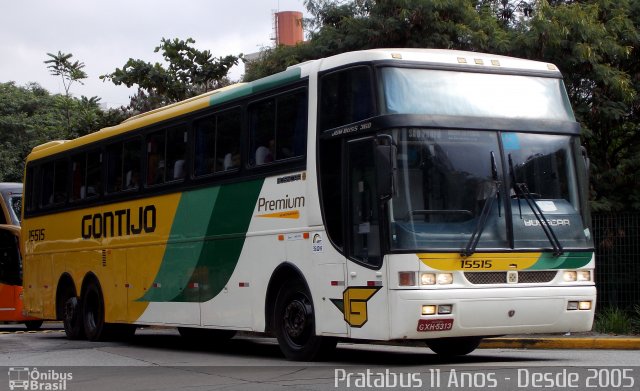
x=522, y=191
x=470, y=248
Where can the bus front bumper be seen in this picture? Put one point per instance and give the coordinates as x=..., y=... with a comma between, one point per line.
x=484, y=312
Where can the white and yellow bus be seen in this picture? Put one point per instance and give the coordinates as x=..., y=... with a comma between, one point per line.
x=376, y=195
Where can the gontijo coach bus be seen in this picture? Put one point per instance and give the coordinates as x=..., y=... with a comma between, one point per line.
x=376, y=195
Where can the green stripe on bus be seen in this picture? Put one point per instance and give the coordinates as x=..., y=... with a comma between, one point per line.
x=273, y=81
x=228, y=228
x=181, y=256
x=196, y=270
x=569, y=260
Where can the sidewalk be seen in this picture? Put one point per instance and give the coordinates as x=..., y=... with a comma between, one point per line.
x=589, y=340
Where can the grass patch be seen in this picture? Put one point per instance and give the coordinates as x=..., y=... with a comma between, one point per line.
x=613, y=320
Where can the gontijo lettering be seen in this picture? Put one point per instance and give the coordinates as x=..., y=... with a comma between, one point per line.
x=119, y=223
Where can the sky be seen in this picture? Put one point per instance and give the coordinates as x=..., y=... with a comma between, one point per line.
x=105, y=34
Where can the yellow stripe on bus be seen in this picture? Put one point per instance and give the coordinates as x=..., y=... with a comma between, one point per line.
x=480, y=261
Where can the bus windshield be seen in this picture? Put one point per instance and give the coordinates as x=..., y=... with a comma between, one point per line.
x=452, y=185
x=438, y=92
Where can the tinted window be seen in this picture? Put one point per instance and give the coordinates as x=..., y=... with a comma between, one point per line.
x=86, y=175
x=123, y=169
x=217, y=145
x=346, y=97
x=278, y=128
x=166, y=153
x=53, y=177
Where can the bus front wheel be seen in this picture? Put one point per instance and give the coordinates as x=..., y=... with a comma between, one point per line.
x=294, y=321
x=451, y=347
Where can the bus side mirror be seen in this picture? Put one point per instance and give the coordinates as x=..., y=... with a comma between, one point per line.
x=385, y=160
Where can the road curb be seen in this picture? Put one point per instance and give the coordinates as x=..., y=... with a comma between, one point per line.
x=614, y=343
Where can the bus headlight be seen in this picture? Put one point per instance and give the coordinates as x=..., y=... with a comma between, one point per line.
x=445, y=279
x=584, y=275
x=429, y=309
x=570, y=276
x=427, y=279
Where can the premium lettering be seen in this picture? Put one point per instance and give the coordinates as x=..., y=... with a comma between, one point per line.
x=287, y=202
x=122, y=222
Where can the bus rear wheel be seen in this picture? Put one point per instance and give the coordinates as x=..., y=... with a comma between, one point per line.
x=72, y=318
x=451, y=347
x=93, y=312
x=294, y=321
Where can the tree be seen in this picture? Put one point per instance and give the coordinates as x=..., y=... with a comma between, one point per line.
x=593, y=42
x=70, y=72
x=30, y=116
x=188, y=72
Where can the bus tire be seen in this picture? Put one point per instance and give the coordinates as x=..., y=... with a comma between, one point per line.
x=451, y=347
x=72, y=319
x=294, y=325
x=33, y=324
x=93, y=312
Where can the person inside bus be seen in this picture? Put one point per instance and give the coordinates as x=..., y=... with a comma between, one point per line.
x=264, y=153
x=231, y=160
x=133, y=179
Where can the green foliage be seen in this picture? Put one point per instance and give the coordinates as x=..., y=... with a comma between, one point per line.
x=30, y=116
x=593, y=42
x=189, y=72
x=613, y=320
x=60, y=65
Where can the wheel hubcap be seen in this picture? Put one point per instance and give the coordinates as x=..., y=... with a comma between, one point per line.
x=295, y=318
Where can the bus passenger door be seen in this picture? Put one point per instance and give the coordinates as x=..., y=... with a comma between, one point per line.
x=365, y=299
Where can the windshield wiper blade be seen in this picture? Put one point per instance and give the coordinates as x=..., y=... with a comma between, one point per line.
x=470, y=248
x=522, y=191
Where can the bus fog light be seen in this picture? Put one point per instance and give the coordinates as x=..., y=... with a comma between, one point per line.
x=570, y=276
x=572, y=305
x=444, y=309
x=427, y=279
x=584, y=305
x=428, y=309
x=445, y=278
x=584, y=275
x=407, y=278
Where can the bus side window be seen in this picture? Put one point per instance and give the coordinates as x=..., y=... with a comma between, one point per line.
x=86, y=181
x=54, y=183
x=176, y=154
x=155, y=158
x=345, y=97
x=291, y=125
x=131, y=164
x=114, y=168
x=228, y=140
x=205, y=132
x=278, y=128
x=263, y=115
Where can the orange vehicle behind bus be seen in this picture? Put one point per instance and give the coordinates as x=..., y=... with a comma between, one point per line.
x=10, y=258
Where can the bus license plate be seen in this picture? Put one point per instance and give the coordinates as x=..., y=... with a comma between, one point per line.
x=435, y=324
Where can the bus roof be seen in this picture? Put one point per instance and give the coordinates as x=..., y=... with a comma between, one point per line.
x=441, y=57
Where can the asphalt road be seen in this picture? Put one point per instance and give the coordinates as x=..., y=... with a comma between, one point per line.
x=159, y=359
